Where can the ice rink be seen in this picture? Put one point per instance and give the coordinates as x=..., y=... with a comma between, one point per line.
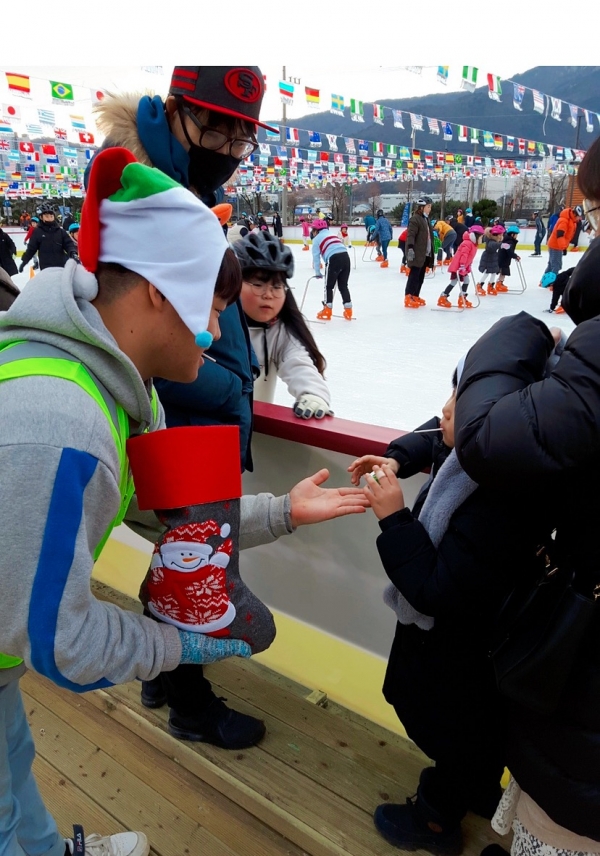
x=392, y=366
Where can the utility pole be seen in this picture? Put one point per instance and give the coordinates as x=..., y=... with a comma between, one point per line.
x=471, y=190
x=282, y=140
x=572, y=179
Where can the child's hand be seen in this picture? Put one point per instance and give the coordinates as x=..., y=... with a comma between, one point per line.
x=384, y=491
x=364, y=465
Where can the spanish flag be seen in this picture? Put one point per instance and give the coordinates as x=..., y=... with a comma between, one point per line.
x=18, y=82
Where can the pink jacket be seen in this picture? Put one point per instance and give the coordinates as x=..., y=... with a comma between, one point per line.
x=464, y=255
x=305, y=229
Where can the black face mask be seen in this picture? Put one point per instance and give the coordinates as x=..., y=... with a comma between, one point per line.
x=208, y=170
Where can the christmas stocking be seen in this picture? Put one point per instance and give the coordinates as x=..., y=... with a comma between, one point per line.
x=191, y=478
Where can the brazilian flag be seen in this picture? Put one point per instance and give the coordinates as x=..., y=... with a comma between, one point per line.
x=61, y=91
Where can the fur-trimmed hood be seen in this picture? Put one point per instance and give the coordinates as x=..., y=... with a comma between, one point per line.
x=116, y=119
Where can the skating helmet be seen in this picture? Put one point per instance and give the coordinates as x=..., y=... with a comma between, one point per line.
x=424, y=200
x=35, y=219
x=547, y=279
x=47, y=208
x=469, y=211
x=380, y=213
x=264, y=251
x=578, y=210
x=302, y=219
x=74, y=227
x=319, y=224
x=344, y=226
x=476, y=229
x=497, y=229
x=513, y=229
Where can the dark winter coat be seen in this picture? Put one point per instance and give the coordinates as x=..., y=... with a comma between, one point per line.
x=507, y=251
x=8, y=291
x=540, y=229
x=277, y=226
x=440, y=681
x=488, y=263
x=419, y=228
x=52, y=244
x=540, y=440
x=222, y=394
x=7, y=251
x=459, y=228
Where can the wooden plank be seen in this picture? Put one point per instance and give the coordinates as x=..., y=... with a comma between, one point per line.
x=220, y=816
x=131, y=801
x=305, y=812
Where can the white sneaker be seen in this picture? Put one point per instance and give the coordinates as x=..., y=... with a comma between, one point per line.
x=120, y=844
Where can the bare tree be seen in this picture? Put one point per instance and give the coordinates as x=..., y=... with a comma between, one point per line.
x=336, y=195
x=557, y=183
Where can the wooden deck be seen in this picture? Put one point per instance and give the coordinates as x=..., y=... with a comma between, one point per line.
x=309, y=788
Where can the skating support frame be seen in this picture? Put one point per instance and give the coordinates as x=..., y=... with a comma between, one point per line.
x=523, y=288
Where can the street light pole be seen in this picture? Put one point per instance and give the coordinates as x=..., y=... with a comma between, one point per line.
x=282, y=140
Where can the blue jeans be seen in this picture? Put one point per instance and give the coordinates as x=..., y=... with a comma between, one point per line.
x=555, y=258
x=26, y=827
x=384, y=248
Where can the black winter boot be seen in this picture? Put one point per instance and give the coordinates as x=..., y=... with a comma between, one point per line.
x=220, y=725
x=153, y=693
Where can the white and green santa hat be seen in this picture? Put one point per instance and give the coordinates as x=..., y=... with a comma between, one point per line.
x=138, y=217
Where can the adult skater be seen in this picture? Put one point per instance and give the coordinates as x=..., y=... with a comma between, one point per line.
x=419, y=252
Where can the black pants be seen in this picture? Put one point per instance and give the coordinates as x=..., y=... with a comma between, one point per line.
x=402, y=246
x=558, y=287
x=338, y=273
x=415, y=281
x=466, y=782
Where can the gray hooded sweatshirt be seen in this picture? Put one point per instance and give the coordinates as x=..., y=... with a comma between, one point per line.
x=60, y=491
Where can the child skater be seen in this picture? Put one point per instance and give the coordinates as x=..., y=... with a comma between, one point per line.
x=337, y=259
x=451, y=563
x=344, y=236
x=506, y=254
x=279, y=334
x=460, y=268
x=488, y=263
x=305, y=233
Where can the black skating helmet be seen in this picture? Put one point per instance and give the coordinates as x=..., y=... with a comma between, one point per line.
x=47, y=208
x=264, y=251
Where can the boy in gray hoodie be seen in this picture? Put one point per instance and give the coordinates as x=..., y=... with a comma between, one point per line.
x=78, y=350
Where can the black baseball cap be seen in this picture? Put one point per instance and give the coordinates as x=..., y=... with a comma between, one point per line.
x=236, y=91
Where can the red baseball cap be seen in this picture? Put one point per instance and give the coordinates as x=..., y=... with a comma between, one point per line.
x=236, y=91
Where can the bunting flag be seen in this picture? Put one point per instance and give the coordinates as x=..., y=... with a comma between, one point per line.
x=589, y=127
x=378, y=114
x=291, y=135
x=447, y=130
x=403, y=153
x=61, y=92
x=5, y=127
x=11, y=112
x=47, y=117
x=530, y=147
x=34, y=130
x=474, y=136
x=574, y=111
x=264, y=148
x=518, y=93
x=313, y=97
x=286, y=92
x=337, y=105
x=86, y=137
x=391, y=151
x=538, y=101
x=541, y=149
x=469, y=78
x=60, y=133
x=498, y=141
x=434, y=126
x=442, y=74
x=18, y=83
x=556, y=108
x=356, y=110
x=294, y=154
x=488, y=139
x=568, y=154
x=429, y=158
x=349, y=143
x=378, y=148
x=338, y=157
x=462, y=133
x=363, y=147
x=416, y=121
x=97, y=95
x=494, y=87
x=510, y=143
x=332, y=141
x=48, y=149
x=274, y=134
x=26, y=147
x=521, y=146
x=397, y=114
x=77, y=122
x=560, y=153
x=314, y=139
x=448, y=157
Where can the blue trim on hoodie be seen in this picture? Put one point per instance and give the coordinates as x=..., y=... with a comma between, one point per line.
x=75, y=470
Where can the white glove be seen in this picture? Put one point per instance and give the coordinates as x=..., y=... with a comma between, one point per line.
x=311, y=405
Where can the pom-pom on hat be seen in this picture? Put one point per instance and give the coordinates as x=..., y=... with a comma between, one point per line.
x=138, y=217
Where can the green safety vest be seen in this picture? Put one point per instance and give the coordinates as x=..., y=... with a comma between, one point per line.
x=68, y=368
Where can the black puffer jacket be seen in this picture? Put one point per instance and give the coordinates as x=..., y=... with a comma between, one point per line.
x=440, y=681
x=7, y=251
x=52, y=244
x=540, y=440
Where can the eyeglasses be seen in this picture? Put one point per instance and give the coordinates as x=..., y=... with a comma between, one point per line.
x=260, y=288
x=595, y=220
x=212, y=139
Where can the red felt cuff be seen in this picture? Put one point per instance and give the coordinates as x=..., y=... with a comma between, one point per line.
x=178, y=467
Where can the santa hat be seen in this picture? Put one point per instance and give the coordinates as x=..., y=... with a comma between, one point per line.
x=138, y=217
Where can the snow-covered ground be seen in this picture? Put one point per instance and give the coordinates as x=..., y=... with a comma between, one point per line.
x=392, y=366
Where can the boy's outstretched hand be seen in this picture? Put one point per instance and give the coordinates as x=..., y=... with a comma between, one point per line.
x=364, y=465
x=310, y=503
x=384, y=491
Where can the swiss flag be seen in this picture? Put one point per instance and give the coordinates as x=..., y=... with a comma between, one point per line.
x=25, y=147
x=85, y=137
x=48, y=149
